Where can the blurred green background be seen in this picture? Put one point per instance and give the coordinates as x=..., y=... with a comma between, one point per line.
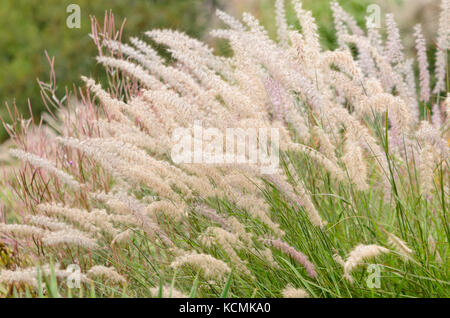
x=29, y=27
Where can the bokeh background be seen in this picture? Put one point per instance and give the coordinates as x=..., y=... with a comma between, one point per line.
x=29, y=27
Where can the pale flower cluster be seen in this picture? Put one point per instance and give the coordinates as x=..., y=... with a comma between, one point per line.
x=352, y=120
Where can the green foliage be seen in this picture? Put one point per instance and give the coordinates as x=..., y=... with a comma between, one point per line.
x=29, y=27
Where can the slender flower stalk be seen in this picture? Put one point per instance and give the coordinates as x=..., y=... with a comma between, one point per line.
x=296, y=255
x=443, y=45
x=400, y=246
x=292, y=292
x=211, y=267
x=167, y=292
x=108, y=273
x=424, y=74
x=358, y=255
x=47, y=165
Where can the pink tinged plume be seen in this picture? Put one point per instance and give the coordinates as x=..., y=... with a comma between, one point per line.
x=424, y=74
x=296, y=255
x=443, y=44
x=394, y=46
x=436, y=117
x=276, y=95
